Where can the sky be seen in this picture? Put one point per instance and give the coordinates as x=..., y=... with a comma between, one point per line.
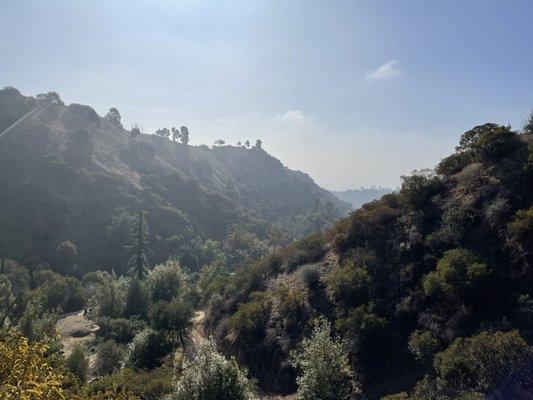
x=354, y=93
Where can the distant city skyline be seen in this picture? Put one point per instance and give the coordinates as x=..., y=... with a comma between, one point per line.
x=352, y=93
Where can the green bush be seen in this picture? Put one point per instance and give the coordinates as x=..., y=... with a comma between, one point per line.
x=147, y=350
x=108, y=357
x=480, y=363
x=36, y=323
x=137, y=301
x=78, y=362
x=148, y=385
x=109, y=296
x=423, y=344
x=489, y=142
x=459, y=277
x=64, y=293
x=418, y=189
x=349, y=285
x=121, y=330
x=167, y=281
x=175, y=316
x=210, y=376
x=520, y=229
x=249, y=321
x=453, y=164
x=325, y=372
x=306, y=250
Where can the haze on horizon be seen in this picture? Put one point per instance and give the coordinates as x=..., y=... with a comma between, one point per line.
x=352, y=93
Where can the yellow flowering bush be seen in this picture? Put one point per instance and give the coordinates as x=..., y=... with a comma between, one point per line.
x=27, y=373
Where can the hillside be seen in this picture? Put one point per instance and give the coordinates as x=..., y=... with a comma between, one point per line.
x=73, y=183
x=430, y=288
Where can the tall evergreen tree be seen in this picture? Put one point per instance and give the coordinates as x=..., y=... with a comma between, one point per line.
x=138, y=262
x=30, y=264
x=2, y=240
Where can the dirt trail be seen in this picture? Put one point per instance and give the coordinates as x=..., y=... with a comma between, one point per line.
x=76, y=329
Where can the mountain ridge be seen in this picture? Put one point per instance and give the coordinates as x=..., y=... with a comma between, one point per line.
x=185, y=190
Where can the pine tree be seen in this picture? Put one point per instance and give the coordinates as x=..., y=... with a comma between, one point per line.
x=138, y=262
x=3, y=241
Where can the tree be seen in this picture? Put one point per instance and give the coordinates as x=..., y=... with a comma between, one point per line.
x=164, y=133
x=239, y=144
x=184, y=135
x=135, y=131
x=138, y=262
x=176, y=134
x=113, y=116
x=30, y=265
x=258, y=144
x=323, y=363
x=51, y=97
x=528, y=125
x=220, y=142
x=247, y=143
x=2, y=241
x=210, y=376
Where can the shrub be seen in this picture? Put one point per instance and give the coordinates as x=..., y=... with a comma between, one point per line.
x=147, y=350
x=423, y=344
x=121, y=330
x=136, y=300
x=306, y=250
x=520, y=229
x=210, y=376
x=78, y=362
x=325, y=372
x=28, y=372
x=148, y=385
x=480, y=363
x=365, y=333
x=458, y=277
x=348, y=286
x=108, y=357
x=418, y=189
x=109, y=296
x=37, y=324
x=249, y=321
x=488, y=142
x=175, y=315
x=65, y=293
x=166, y=281
x=452, y=164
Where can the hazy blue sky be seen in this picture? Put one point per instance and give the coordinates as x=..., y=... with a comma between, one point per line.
x=351, y=92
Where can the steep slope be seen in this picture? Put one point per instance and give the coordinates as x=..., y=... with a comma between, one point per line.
x=72, y=183
x=402, y=279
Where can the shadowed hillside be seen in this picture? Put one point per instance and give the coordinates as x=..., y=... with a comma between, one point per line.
x=73, y=183
x=430, y=288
